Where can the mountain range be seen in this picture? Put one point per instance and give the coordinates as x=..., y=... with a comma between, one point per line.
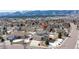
x=34, y=13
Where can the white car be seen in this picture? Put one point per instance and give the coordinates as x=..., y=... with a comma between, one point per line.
x=56, y=43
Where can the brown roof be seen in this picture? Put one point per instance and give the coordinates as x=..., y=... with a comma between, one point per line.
x=18, y=33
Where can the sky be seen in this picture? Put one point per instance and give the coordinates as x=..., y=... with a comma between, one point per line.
x=38, y=4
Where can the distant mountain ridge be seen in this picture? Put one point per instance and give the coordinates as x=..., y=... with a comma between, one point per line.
x=38, y=13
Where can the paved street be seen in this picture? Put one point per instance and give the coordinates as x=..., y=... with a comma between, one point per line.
x=77, y=44
x=71, y=41
x=7, y=45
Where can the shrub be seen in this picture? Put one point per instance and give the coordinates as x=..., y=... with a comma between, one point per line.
x=59, y=35
x=47, y=42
